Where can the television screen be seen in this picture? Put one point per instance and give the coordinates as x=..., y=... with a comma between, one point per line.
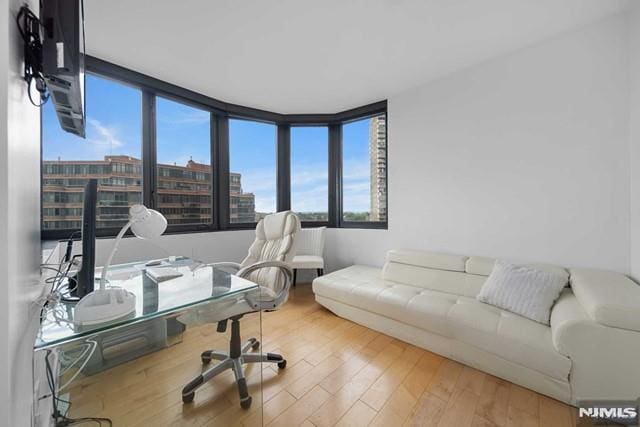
x=63, y=61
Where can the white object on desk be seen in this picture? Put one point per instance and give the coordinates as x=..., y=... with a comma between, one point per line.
x=161, y=274
x=104, y=304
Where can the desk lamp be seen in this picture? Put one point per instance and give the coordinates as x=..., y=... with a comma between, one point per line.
x=104, y=305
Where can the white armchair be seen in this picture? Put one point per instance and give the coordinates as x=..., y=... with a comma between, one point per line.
x=266, y=264
x=310, y=253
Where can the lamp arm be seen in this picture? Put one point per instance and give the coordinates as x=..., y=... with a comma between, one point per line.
x=103, y=276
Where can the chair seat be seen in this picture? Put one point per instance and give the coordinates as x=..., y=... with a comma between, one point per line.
x=307, y=261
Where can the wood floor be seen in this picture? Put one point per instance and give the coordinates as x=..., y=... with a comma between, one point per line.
x=338, y=373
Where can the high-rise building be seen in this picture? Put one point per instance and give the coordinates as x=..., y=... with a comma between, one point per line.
x=378, y=168
x=183, y=192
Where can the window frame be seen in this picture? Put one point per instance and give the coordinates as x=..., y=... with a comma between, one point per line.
x=279, y=169
x=370, y=224
x=311, y=224
x=220, y=113
x=153, y=166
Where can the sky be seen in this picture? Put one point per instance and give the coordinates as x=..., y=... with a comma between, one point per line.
x=114, y=126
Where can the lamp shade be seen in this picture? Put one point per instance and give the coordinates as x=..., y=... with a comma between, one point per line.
x=146, y=223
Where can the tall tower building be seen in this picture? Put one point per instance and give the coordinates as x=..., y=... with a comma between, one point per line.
x=378, y=167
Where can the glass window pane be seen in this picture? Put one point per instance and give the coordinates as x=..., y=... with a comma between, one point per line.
x=309, y=173
x=111, y=153
x=364, y=147
x=252, y=167
x=183, y=141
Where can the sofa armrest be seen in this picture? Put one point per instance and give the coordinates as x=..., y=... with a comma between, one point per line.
x=608, y=298
x=603, y=358
x=569, y=322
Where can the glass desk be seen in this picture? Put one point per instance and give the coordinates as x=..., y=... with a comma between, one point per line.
x=201, y=287
x=90, y=354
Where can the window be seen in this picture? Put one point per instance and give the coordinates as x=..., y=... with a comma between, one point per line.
x=184, y=174
x=110, y=153
x=364, y=170
x=310, y=173
x=252, y=170
x=335, y=164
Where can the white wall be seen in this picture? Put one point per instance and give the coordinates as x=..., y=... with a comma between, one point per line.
x=206, y=247
x=4, y=289
x=524, y=157
x=634, y=134
x=19, y=224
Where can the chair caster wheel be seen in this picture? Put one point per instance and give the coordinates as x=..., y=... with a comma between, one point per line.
x=255, y=345
x=206, y=358
x=246, y=404
x=188, y=398
x=282, y=365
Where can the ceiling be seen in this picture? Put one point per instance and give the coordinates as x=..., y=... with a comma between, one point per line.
x=311, y=56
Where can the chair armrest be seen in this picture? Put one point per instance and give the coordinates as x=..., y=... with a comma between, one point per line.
x=282, y=295
x=244, y=272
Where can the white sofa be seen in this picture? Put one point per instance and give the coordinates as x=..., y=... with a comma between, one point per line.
x=590, y=351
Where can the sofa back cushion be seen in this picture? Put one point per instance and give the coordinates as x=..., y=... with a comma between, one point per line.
x=431, y=270
x=454, y=274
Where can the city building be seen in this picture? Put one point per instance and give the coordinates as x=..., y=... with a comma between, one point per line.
x=183, y=192
x=378, y=167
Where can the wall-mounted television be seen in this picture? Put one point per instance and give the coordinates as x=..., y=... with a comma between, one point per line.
x=63, y=60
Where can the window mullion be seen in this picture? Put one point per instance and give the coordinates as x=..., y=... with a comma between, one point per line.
x=221, y=170
x=149, y=149
x=335, y=175
x=213, y=150
x=283, y=189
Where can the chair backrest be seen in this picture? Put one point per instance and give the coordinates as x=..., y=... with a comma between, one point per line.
x=311, y=241
x=275, y=241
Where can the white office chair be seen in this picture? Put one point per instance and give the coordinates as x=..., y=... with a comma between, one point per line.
x=310, y=251
x=267, y=264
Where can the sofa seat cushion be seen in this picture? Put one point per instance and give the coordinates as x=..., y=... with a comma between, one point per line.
x=412, y=305
x=416, y=306
x=339, y=284
x=507, y=335
x=307, y=262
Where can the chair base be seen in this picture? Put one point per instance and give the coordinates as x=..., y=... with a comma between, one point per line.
x=234, y=359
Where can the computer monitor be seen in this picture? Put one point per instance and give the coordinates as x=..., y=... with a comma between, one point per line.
x=85, y=277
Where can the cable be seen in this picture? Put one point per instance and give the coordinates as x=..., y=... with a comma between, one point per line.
x=60, y=289
x=49, y=304
x=92, y=345
x=60, y=419
x=30, y=32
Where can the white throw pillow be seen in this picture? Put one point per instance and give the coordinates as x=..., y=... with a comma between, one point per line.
x=523, y=290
